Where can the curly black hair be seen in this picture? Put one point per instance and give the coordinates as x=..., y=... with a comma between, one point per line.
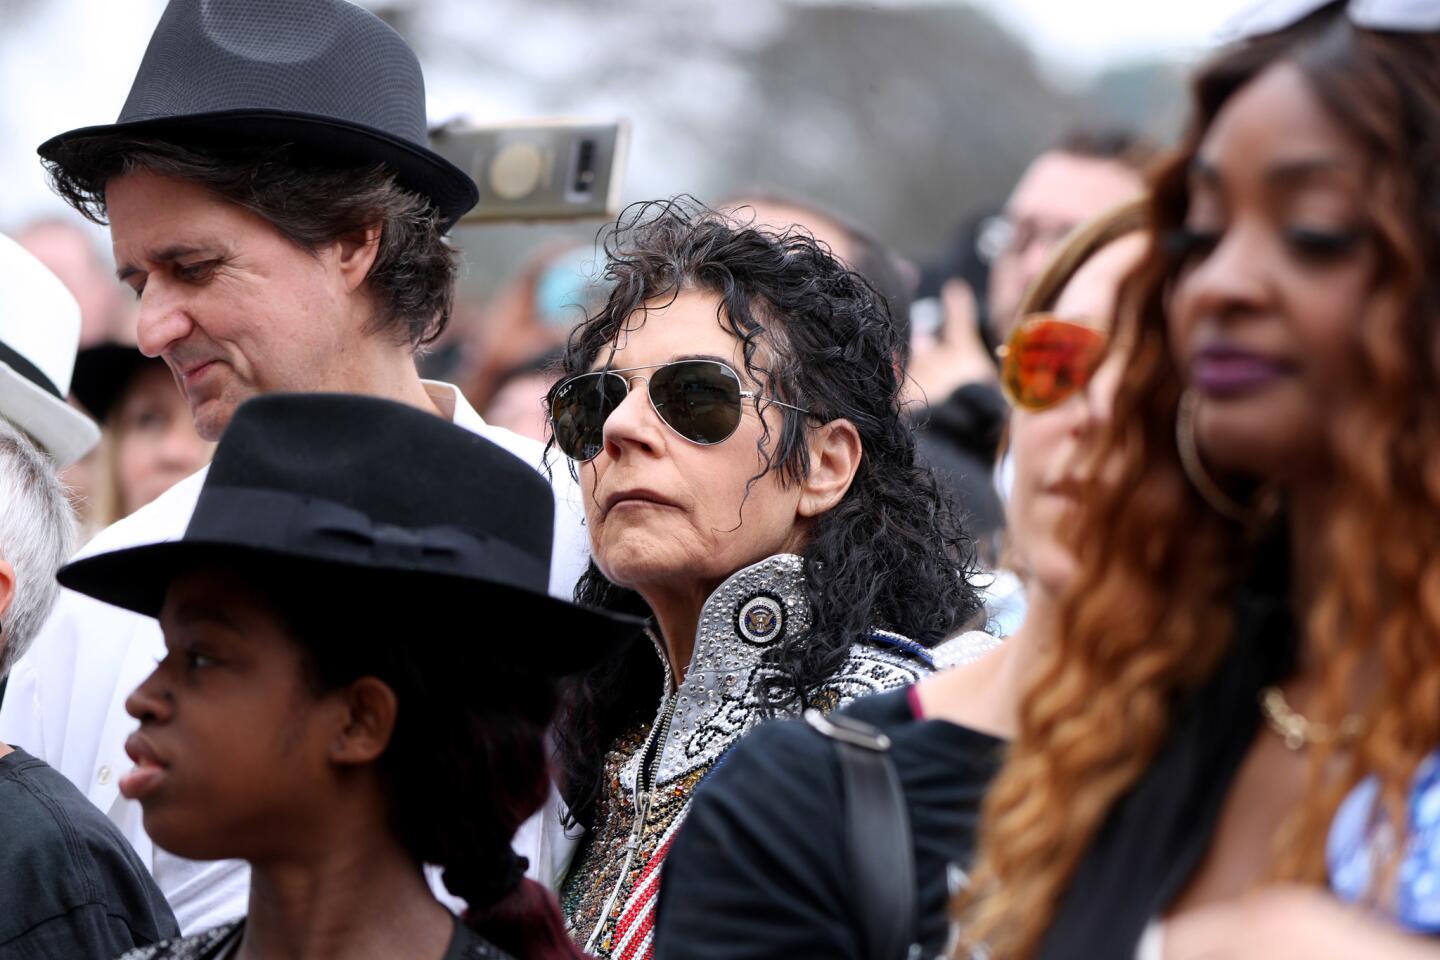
x=820, y=337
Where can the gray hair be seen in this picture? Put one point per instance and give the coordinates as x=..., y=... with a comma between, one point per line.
x=37, y=536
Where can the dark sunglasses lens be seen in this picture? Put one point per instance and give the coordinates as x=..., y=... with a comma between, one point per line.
x=700, y=400
x=1050, y=359
x=579, y=408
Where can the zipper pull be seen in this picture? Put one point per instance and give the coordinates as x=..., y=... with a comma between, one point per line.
x=639, y=826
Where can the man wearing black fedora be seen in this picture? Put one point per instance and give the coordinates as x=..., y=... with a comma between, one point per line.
x=274, y=207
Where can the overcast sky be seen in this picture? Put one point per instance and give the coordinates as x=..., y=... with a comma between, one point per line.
x=1078, y=37
x=72, y=62
x=1083, y=35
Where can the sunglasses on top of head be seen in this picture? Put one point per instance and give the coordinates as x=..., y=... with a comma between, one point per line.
x=1047, y=359
x=1272, y=16
x=700, y=400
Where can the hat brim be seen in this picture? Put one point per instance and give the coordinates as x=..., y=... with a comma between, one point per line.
x=344, y=143
x=103, y=372
x=65, y=433
x=496, y=622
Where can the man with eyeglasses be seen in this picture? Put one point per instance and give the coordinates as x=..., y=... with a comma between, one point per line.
x=1083, y=175
x=1080, y=177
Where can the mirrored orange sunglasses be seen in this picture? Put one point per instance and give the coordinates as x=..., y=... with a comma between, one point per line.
x=1048, y=359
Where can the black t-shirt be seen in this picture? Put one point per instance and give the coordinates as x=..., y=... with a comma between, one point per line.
x=1157, y=834
x=759, y=867
x=70, y=883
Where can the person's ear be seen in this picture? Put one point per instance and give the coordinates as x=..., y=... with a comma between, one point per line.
x=355, y=254
x=7, y=585
x=7, y=593
x=835, y=453
x=368, y=722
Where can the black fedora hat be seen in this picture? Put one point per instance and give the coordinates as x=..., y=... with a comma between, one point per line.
x=325, y=75
x=102, y=373
x=378, y=500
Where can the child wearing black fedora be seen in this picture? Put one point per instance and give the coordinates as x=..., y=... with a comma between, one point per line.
x=317, y=714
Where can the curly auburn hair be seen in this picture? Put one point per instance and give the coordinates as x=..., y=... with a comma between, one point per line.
x=1144, y=621
x=820, y=337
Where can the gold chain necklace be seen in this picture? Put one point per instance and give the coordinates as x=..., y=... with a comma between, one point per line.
x=1297, y=731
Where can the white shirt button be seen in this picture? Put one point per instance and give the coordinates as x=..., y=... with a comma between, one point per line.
x=104, y=775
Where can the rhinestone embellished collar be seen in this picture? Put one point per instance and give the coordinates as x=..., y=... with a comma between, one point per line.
x=752, y=611
x=697, y=722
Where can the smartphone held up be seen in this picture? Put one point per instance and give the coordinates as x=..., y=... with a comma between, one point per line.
x=539, y=170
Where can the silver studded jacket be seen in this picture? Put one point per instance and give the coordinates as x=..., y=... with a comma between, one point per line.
x=651, y=773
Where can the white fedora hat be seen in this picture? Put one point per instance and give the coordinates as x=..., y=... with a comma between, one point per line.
x=39, y=334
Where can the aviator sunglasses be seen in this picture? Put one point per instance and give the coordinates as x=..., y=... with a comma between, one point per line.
x=1047, y=359
x=700, y=400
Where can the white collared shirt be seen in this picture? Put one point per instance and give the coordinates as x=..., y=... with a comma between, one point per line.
x=65, y=702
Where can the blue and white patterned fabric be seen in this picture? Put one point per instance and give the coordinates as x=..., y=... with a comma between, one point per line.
x=1360, y=840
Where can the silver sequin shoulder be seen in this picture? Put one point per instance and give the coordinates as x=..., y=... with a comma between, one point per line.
x=965, y=648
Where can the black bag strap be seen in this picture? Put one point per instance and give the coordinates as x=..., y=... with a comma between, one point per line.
x=877, y=835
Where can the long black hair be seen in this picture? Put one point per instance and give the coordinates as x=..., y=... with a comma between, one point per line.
x=468, y=760
x=816, y=335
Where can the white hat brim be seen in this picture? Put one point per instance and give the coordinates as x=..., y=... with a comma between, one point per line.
x=63, y=431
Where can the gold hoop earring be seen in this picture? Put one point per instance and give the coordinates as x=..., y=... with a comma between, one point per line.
x=1210, y=491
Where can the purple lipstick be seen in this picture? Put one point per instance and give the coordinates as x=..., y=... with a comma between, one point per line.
x=1224, y=371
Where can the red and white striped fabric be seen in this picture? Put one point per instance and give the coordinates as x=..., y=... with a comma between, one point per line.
x=635, y=930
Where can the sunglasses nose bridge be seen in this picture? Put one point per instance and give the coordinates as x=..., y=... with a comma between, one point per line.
x=630, y=379
x=610, y=423
x=650, y=399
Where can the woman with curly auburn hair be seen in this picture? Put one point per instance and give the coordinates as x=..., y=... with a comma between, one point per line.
x=1244, y=689
x=732, y=414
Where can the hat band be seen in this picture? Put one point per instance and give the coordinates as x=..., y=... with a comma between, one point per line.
x=28, y=370
x=317, y=529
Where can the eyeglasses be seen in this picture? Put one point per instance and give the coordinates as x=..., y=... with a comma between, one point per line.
x=1000, y=235
x=1271, y=16
x=700, y=400
x=1047, y=359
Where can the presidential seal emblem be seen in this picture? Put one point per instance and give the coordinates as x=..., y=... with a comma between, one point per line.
x=761, y=619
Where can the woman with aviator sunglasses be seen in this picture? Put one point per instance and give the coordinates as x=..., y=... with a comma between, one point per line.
x=760, y=870
x=732, y=414
x=1231, y=746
